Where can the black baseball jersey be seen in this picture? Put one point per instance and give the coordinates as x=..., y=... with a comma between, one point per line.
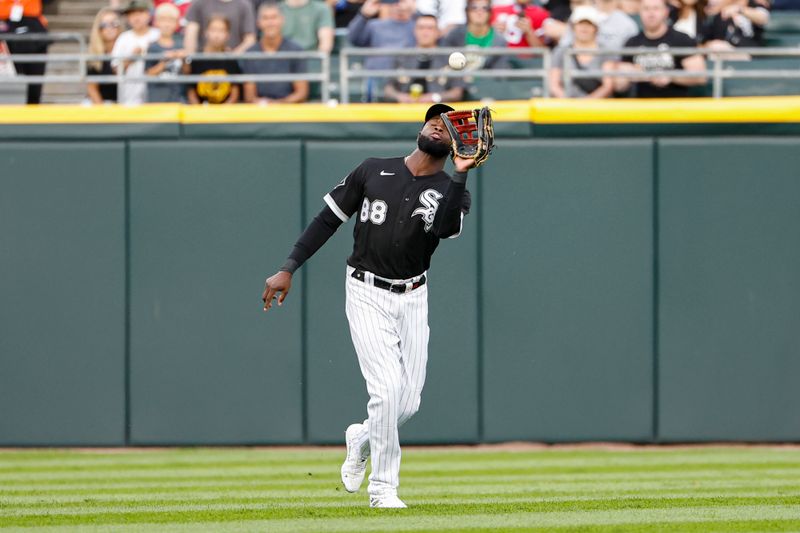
x=395, y=213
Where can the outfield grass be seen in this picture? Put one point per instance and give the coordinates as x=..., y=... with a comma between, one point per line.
x=227, y=490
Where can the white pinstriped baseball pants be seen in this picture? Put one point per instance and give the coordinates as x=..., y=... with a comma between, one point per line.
x=390, y=334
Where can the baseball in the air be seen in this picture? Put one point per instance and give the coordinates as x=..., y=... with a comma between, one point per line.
x=457, y=61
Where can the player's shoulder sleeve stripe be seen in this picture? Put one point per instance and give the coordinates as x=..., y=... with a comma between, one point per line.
x=335, y=208
x=460, y=228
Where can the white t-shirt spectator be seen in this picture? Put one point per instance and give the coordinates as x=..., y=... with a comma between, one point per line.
x=129, y=43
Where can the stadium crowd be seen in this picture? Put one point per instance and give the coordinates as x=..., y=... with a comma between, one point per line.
x=178, y=30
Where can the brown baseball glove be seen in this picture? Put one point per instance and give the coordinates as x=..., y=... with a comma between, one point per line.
x=472, y=133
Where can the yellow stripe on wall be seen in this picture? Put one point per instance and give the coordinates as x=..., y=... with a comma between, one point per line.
x=671, y=111
x=516, y=111
x=512, y=111
x=84, y=114
x=539, y=111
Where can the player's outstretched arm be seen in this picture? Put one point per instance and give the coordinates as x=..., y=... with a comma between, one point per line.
x=448, y=217
x=316, y=234
x=280, y=283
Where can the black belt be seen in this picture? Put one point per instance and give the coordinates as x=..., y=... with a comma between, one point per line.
x=399, y=288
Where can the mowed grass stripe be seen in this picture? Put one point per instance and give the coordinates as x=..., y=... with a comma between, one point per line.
x=704, y=520
x=420, y=461
x=456, y=512
x=547, y=521
x=332, y=478
x=302, y=482
x=698, y=524
x=212, y=457
x=44, y=498
x=288, y=472
x=225, y=504
x=166, y=514
x=420, y=456
x=458, y=491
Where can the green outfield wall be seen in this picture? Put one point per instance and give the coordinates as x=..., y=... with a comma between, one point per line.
x=625, y=287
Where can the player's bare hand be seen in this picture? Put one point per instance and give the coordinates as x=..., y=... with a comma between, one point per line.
x=463, y=164
x=278, y=284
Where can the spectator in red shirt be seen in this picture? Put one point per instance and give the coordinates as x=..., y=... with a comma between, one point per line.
x=519, y=23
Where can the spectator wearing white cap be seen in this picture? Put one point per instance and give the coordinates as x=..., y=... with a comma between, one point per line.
x=616, y=27
x=584, y=22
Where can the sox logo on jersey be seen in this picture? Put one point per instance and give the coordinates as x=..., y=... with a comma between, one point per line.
x=430, y=200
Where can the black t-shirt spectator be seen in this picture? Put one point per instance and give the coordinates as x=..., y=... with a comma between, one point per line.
x=739, y=30
x=214, y=92
x=659, y=59
x=107, y=90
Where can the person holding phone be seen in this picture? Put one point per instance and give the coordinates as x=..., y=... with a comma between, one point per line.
x=396, y=30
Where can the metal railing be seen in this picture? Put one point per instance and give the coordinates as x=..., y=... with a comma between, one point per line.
x=83, y=59
x=351, y=70
x=48, y=37
x=718, y=73
x=55, y=37
x=348, y=73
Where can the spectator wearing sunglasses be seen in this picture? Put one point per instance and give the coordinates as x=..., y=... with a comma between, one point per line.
x=477, y=33
x=105, y=30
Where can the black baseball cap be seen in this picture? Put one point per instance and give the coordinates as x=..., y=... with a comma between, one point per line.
x=437, y=109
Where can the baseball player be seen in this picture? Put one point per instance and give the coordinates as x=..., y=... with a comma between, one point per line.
x=403, y=207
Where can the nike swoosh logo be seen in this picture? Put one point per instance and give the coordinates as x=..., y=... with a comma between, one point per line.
x=384, y=173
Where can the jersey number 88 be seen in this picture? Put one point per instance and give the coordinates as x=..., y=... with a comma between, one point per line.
x=375, y=211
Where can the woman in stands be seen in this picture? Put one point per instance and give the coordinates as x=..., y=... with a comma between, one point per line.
x=689, y=17
x=585, y=21
x=105, y=30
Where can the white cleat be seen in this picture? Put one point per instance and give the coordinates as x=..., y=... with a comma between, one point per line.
x=354, y=466
x=386, y=501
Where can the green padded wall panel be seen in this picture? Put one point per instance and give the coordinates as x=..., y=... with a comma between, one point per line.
x=729, y=326
x=207, y=224
x=62, y=293
x=567, y=290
